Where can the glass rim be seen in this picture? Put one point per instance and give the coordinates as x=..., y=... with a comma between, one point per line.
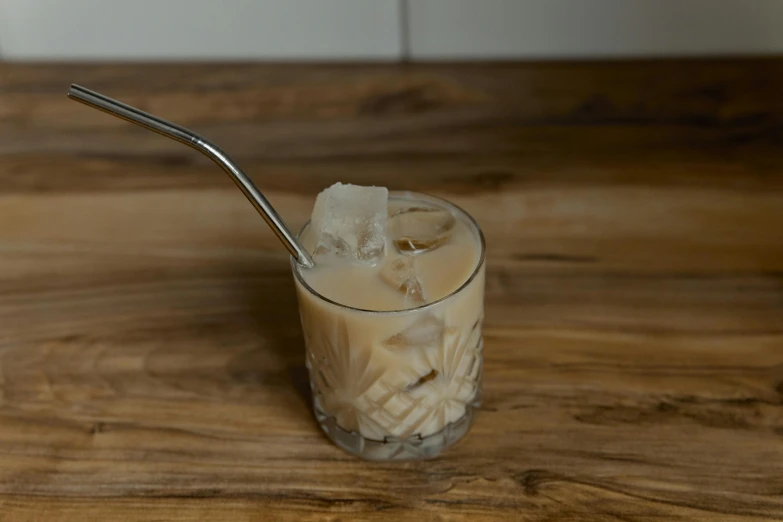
x=402, y=194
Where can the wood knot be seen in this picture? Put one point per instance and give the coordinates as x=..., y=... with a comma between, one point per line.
x=532, y=480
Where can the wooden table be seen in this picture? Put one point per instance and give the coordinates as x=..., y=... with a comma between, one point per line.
x=151, y=360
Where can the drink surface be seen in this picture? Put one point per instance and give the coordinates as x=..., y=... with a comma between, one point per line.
x=441, y=271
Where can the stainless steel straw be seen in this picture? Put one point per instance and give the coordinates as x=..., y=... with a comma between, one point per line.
x=210, y=150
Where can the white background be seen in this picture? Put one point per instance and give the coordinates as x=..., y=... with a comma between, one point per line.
x=385, y=29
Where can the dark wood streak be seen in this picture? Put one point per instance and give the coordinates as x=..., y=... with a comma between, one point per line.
x=151, y=361
x=556, y=258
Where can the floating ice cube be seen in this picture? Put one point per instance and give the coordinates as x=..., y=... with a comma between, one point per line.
x=400, y=273
x=426, y=331
x=417, y=229
x=350, y=222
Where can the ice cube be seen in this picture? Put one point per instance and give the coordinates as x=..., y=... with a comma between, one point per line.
x=400, y=273
x=417, y=229
x=424, y=332
x=350, y=222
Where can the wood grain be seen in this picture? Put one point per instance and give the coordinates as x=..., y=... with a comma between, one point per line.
x=151, y=363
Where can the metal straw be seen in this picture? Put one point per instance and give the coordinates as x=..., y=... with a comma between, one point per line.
x=210, y=150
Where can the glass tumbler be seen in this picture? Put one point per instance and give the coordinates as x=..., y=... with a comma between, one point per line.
x=397, y=385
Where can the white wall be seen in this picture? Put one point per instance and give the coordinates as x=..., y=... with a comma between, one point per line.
x=593, y=28
x=199, y=29
x=384, y=29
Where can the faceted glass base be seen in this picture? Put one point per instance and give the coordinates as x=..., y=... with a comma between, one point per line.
x=412, y=448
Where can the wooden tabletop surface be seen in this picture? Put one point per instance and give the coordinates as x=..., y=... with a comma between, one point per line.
x=151, y=359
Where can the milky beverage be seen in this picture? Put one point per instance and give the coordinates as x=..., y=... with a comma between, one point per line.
x=392, y=317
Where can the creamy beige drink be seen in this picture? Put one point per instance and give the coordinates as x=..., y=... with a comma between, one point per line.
x=392, y=318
